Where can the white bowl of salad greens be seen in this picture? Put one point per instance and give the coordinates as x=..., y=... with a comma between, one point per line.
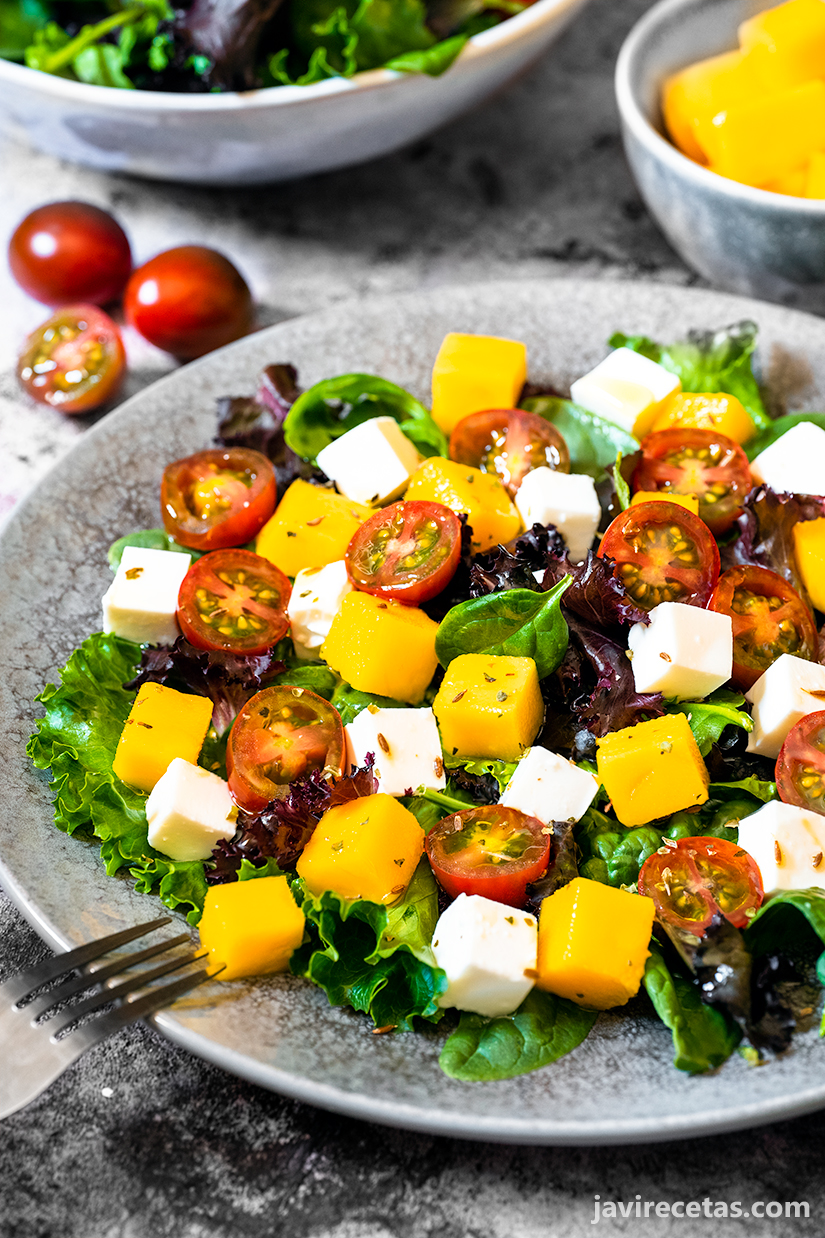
x=223, y=93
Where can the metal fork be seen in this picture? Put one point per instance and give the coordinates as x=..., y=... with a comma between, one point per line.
x=32, y=1050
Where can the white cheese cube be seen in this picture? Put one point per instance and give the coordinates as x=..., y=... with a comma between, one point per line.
x=372, y=463
x=315, y=600
x=624, y=388
x=488, y=951
x=141, y=601
x=788, y=845
x=406, y=746
x=549, y=787
x=567, y=500
x=188, y=811
x=684, y=652
x=789, y=689
x=795, y=463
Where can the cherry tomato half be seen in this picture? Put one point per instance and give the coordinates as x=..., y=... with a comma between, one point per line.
x=800, y=767
x=509, y=443
x=407, y=551
x=281, y=734
x=70, y=251
x=234, y=600
x=489, y=850
x=663, y=553
x=188, y=301
x=694, y=879
x=769, y=619
x=74, y=361
x=217, y=498
x=700, y=462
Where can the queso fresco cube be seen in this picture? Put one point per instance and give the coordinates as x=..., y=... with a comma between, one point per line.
x=795, y=463
x=566, y=500
x=315, y=600
x=142, y=600
x=789, y=689
x=488, y=951
x=626, y=388
x=372, y=463
x=189, y=811
x=547, y=786
x=788, y=845
x=406, y=747
x=684, y=652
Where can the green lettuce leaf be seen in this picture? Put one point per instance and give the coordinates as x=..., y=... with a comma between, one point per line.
x=19, y=20
x=543, y=1029
x=336, y=405
x=351, y=956
x=779, y=427
x=432, y=60
x=593, y=442
x=515, y=622
x=703, y=1036
x=502, y=771
x=411, y=922
x=708, y=718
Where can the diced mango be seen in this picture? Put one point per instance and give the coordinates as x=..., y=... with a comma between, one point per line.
x=689, y=501
x=367, y=848
x=792, y=183
x=786, y=44
x=652, y=769
x=489, y=706
x=707, y=410
x=809, y=546
x=491, y=515
x=758, y=141
x=693, y=96
x=312, y=526
x=476, y=372
x=814, y=186
x=163, y=724
x=593, y=942
x=251, y=928
x=382, y=647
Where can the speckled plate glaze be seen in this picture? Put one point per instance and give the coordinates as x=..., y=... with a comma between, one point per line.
x=620, y=1085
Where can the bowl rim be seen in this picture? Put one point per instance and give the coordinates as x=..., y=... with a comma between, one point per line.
x=667, y=13
x=478, y=45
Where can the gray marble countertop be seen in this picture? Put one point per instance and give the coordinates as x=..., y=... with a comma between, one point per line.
x=139, y=1140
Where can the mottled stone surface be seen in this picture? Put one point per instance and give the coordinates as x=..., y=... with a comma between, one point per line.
x=140, y=1140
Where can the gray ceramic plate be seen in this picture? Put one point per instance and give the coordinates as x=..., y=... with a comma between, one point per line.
x=619, y=1086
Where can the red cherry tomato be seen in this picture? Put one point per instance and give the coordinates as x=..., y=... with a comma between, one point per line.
x=663, y=553
x=489, y=850
x=217, y=498
x=800, y=767
x=407, y=551
x=188, y=301
x=74, y=361
x=234, y=600
x=509, y=443
x=769, y=619
x=700, y=462
x=694, y=879
x=281, y=734
x=70, y=251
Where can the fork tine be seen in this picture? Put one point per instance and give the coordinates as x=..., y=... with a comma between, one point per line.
x=119, y=990
x=76, y=984
x=128, y=1012
x=18, y=987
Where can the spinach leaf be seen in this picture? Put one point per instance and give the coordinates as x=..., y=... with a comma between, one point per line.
x=757, y=787
x=543, y=1029
x=779, y=427
x=349, y=956
x=433, y=60
x=19, y=19
x=302, y=673
x=350, y=701
x=791, y=922
x=336, y=405
x=709, y=718
x=612, y=853
x=515, y=622
x=428, y=809
x=710, y=361
x=147, y=539
x=703, y=1036
x=593, y=442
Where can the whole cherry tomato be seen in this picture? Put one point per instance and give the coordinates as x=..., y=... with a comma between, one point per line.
x=188, y=301
x=489, y=850
x=70, y=251
x=694, y=879
x=509, y=443
x=234, y=600
x=700, y=462
x=74, y=361
x=407, y=551
x=769, y=618
x=663, y=553
x=800, y=767
x=217, y=498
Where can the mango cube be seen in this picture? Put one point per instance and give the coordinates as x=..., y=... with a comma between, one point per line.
x=593, y=942
x=786, y=44
x=793, y=183
x=312, y=527
x=693, y=96
x=490, y=512
x=367, y=848
x=489, y=706
x=757, y=141
x=689, y=501
x=707, y=410
x=809, y=547
x=382, y=647
x=251, y=928
x=163, y=724
x=476, y=372
x=652, y=769
x=814, y=175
